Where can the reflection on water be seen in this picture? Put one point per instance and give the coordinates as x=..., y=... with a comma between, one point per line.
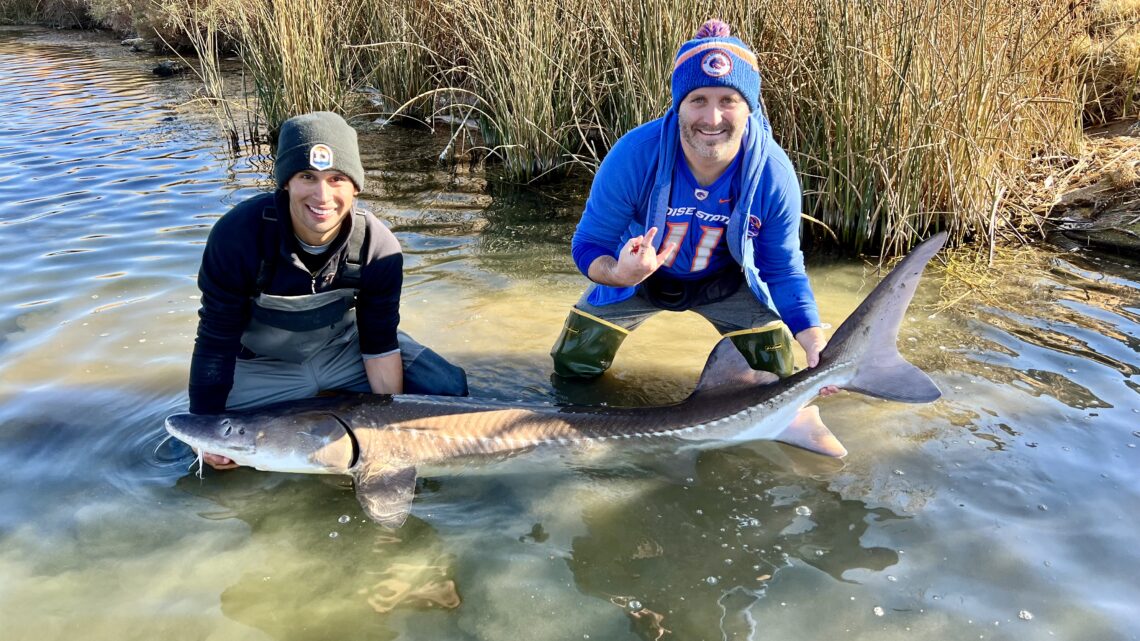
x=679, y=550
x=1007, y=510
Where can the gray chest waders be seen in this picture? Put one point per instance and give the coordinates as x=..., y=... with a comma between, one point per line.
x=295, y=328
x=587, y=345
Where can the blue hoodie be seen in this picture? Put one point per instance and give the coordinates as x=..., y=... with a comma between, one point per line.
x=631, y=191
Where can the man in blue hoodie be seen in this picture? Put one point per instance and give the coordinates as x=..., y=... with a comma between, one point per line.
x=698, y=210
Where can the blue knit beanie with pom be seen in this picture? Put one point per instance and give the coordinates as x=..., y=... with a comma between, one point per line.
x=716, y=59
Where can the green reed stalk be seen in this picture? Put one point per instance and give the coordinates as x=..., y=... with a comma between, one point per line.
x=296, y=54
x=905, y=116
x=399, y=60
x=523, y=61
x=203, y=25
x=901, y=116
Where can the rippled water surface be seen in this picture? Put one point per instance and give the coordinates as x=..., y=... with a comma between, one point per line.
x=1006, y=510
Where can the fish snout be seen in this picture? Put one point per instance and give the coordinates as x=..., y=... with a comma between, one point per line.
x=216, y=434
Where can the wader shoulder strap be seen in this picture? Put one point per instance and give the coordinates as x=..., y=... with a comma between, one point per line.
x=357, y=252
x=269, y=244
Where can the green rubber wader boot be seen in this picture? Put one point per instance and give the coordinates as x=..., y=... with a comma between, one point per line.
x=587, y=346
x=767, y=348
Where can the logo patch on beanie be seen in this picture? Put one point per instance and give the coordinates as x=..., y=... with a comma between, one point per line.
x=320, y=156
x=716, y=63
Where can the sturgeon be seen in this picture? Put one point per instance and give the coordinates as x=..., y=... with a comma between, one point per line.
x=380, y=440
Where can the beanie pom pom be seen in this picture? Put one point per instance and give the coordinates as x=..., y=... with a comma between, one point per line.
x=714, y=29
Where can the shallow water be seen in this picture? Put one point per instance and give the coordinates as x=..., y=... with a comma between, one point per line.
x=1006, y=510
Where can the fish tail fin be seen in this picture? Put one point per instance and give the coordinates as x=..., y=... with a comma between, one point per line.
x=897, y=381
x=870, y=335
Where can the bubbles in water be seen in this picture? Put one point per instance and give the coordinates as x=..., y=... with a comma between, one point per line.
x=634, y=605
x=1043, y=507
x=344, y=518
x=891, y=578
x=333, y=534
x=803, y=510
x=900, y=473
x=1025, y=615
x=712, y=580
x=1071, y=370
x=728, y=561
x=700, y=511
x=878, y=611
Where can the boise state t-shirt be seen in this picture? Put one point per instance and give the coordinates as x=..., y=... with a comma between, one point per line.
x=697, y=220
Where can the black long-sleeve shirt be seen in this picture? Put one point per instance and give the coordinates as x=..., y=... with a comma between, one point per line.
x=228, y=279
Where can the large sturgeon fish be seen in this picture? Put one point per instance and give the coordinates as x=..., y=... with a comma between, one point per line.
x=380, y=439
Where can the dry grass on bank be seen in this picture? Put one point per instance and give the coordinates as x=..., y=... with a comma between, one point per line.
x=1108, y=55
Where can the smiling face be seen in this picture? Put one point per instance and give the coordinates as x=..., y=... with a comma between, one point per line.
x=319, y=201
x=712, y=121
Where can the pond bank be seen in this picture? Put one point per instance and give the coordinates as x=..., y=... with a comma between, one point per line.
x=1098, y=200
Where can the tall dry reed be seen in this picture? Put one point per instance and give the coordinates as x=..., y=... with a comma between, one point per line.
x=203, y=26
x=297, y=55
x=901, y=116
x=526, y=63
x=904, y=116
x=398, y=62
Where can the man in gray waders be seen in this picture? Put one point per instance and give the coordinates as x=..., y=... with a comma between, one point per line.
x=698, y=210
x=301, y=290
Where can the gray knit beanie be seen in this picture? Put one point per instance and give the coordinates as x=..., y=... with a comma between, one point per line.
x=319, y=140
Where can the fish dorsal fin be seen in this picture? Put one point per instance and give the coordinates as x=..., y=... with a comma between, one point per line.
x=894, y=379
x=386, y=493
x=808, y=431
x=726, y=369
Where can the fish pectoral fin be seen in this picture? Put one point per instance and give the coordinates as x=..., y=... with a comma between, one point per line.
x=894, y=380
x=726, y=369
x=808, y=431
x=386, y=493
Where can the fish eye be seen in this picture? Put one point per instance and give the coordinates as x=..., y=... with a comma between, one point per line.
x=241, y=431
